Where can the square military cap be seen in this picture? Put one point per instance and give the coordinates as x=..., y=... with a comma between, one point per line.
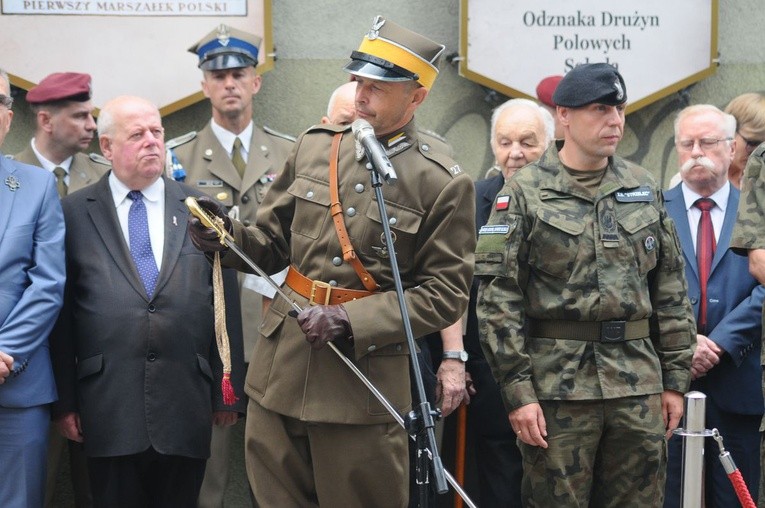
x=61, y=86
x=226, y=48
x=591, y=83
x=390, y=52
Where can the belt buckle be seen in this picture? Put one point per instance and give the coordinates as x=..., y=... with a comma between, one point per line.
x=612, y=331
x=327, y=292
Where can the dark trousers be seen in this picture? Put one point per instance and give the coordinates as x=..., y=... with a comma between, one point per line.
x=146, y=479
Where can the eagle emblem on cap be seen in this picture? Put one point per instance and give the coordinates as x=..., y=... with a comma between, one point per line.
x=223, y=35
x=377, y=24
x=619, y=90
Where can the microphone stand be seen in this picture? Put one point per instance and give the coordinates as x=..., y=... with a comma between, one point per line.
x=419, y=423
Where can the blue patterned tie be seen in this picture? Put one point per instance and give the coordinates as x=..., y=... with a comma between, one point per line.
x=140, y=243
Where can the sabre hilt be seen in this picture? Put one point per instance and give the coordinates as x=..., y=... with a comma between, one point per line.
x=209, y=220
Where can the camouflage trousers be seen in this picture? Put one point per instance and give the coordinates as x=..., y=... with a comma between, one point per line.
x=601, y=453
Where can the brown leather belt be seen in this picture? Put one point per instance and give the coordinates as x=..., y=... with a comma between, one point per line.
x=319, y=292
x=596, y=331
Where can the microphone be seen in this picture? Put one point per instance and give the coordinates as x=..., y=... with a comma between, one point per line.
x=365, y=135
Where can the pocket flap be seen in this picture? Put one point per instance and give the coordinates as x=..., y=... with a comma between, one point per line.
x=637, y=220
x=90, y=366
x=402, y=219
x=563, y=222
x=310, y=190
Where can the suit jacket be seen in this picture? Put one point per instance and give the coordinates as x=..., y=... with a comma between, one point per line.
x=83, y=171
x=734, y=312
x=140, y=371
x=32, y=278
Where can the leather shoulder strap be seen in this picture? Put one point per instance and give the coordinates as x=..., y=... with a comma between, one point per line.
x=336, y=209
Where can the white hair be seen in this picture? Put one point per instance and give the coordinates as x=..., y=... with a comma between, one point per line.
x=544, y=116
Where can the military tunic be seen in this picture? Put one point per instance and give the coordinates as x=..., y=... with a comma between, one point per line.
x=84, y=170
x=554, y=252
x=431, y=216
x=749, y=234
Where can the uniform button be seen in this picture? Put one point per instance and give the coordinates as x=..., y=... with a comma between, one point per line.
x=425, y=147
x=398, y=347
x=263, y=148
x=337, y=261
x=333, y=283
x=246, y=223
x=392, y=221
x=693, y=300
x=151, y=308
x=351, y=212
x=245, y=199
x=359, y=188
x=371, y=348
x=309, y=194
x=151, y=357
x=208, y=153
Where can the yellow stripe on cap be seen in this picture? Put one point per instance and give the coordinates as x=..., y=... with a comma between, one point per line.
x=402, y=57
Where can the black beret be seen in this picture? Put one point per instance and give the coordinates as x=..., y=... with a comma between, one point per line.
x=590, y=83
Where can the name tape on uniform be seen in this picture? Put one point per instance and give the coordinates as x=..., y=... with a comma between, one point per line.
x=642, y=194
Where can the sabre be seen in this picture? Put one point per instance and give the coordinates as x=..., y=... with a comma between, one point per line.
x=216, y=223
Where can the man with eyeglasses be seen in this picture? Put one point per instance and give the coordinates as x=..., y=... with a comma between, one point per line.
x=32, y=275
x=582, y=309
x=727, y=302
x=749, y=111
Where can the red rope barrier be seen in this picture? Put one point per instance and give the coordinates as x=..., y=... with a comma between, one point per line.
x=742, y=492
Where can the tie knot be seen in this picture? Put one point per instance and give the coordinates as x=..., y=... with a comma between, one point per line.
x=237, y=144
x=704, y=204
x=59, y=172
x=135, y=195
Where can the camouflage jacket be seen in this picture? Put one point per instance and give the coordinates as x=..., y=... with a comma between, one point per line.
x=555, y=253
x=749, y=232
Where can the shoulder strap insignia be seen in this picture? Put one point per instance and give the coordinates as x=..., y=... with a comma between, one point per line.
x=443, y=160
x=278, y=134
x=433, y=134
x=100, y=159
x=180, y=140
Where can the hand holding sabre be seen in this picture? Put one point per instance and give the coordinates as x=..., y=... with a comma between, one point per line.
x=209, y=226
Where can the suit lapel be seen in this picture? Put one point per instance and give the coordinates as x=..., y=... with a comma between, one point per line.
x=727, y=228
x=176, y=216
x=101, y=210
x=676, y=208
x=7, y=196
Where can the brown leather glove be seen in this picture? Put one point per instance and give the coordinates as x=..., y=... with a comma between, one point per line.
x=324, y=323
x=204, y=238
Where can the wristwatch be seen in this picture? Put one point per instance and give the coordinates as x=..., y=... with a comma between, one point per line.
x=456, y=355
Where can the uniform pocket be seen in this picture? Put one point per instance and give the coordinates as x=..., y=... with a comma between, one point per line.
x=554, y=242
x=642, y=234
x=311, y=206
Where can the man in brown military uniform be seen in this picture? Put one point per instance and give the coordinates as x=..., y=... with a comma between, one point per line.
x=748, y=237
x=315, y=435
x=234, y=161
x=64, y=128
x=583, y=313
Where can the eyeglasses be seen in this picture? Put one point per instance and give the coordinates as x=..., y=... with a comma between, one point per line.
x=6, y=101
x=751, y=144
x=705, y=143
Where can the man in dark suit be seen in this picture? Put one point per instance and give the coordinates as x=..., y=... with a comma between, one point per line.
x=726, y=361
x=31, y=289
x=134, y=349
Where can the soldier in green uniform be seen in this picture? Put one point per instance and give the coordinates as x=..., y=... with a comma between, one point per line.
x=748, y=237
x=582, y=309
x=315, y=435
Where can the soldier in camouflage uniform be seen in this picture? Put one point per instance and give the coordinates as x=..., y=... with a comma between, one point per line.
x=315, y=435
x=749, y=238
x=582, y=309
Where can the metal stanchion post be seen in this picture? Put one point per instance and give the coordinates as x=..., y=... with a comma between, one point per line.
x=693, y=434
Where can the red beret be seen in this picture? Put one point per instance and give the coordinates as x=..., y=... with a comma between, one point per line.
x=60, y=86
x=546, y=88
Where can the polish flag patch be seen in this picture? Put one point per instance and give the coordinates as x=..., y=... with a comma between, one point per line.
x=503, y=202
